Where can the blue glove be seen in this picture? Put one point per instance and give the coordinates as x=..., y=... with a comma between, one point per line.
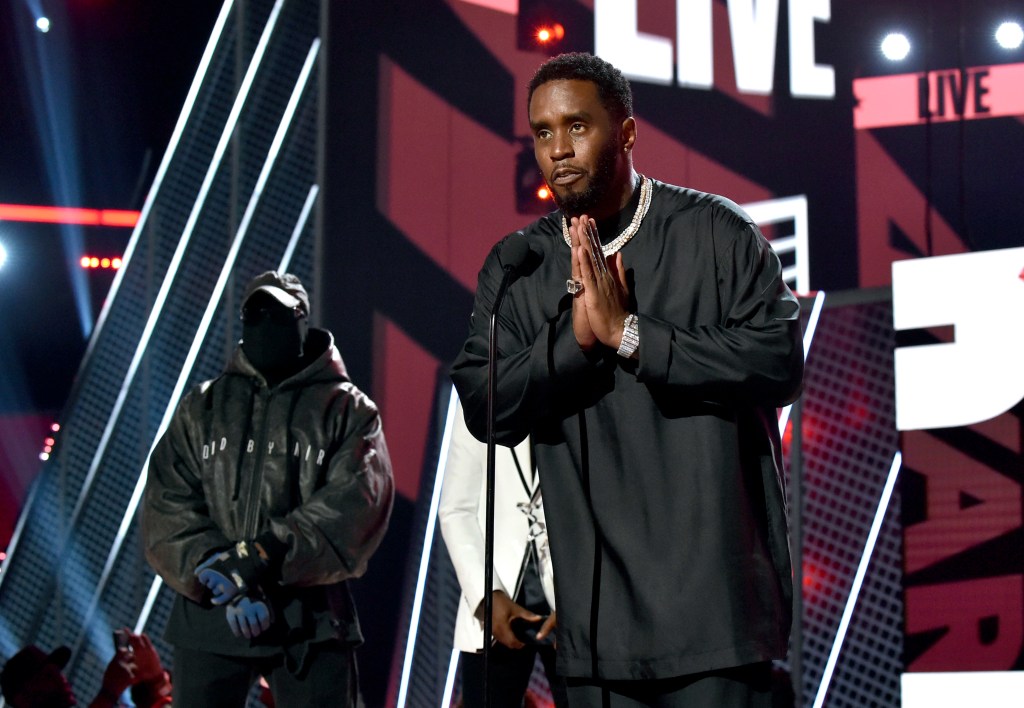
x=219, y=579
x=250, y=616
x=233, y=571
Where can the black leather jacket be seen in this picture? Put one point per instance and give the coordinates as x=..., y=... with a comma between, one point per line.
x=305, y=460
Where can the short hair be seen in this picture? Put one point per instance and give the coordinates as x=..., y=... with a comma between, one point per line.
x=612, y=87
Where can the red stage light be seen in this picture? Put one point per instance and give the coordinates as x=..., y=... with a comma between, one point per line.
x=55, y=427
x=68, y=215
x=543, y=193
x=98, y=262
x=550, y=33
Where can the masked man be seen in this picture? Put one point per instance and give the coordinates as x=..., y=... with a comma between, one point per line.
x=270, y=489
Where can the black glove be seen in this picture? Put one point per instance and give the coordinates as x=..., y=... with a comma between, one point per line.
x=235, y=570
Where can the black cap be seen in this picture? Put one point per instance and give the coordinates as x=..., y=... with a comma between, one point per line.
x=26, y=664
x=286, y=288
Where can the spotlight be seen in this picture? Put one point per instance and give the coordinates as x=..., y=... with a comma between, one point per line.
x=532, y=195
x=895, y=46
x=549, y=34
x=3, y=255
x=43, y=24
x=1010, y=35
x=554, y=26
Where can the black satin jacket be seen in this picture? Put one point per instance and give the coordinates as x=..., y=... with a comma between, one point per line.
x=305, y=460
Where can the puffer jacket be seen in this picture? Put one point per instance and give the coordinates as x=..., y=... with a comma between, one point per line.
x=305, y=460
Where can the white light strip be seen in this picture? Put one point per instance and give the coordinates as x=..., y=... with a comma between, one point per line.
x=300, y=225
x=161, y=172
x=147, y=607
x=449, y=683
x=200, y=337
x=19, y=527
x=862, y=569
x=179, y=253
x=771, y=211
x=136, y=233
x=812, y=325
x=428, y=542
x=784, y=244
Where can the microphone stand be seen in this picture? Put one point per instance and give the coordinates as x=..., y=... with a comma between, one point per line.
x=492, y=383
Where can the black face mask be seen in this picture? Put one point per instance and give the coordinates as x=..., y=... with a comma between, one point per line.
x=273, y=337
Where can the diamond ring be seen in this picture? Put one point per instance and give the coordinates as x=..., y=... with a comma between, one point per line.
x=573, y=286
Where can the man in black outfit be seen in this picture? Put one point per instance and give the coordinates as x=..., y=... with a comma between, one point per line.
x=648, y=377
x=270, y=489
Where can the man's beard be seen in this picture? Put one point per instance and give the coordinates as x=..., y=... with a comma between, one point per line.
x=598, y=188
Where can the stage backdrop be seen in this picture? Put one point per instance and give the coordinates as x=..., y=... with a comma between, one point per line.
x=429, y=160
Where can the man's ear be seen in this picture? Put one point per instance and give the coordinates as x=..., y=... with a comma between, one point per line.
x=628, y=133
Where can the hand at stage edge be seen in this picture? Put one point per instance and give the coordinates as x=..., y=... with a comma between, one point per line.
x=503, y=611
x=599, y=311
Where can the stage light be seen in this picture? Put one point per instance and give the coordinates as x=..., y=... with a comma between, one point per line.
x=554, y=26
x=55, y=427
x=1010, y=35
x=895, y=46
x=548, y=34
x=104, y=263
x=43, y=24
x=3, y=255
x=532, y=194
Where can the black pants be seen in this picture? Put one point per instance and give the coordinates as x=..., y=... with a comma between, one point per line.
x=738, y=687
x=204, y=680
x=510, y=676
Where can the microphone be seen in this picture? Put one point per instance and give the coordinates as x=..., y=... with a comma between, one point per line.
x=513, y=255
x=514, y=252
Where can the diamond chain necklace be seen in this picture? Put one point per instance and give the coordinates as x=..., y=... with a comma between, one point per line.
x=629, y=232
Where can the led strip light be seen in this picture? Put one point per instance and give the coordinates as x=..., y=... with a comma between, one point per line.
x=812, y=325
x=858, y=580
x=428, y=542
